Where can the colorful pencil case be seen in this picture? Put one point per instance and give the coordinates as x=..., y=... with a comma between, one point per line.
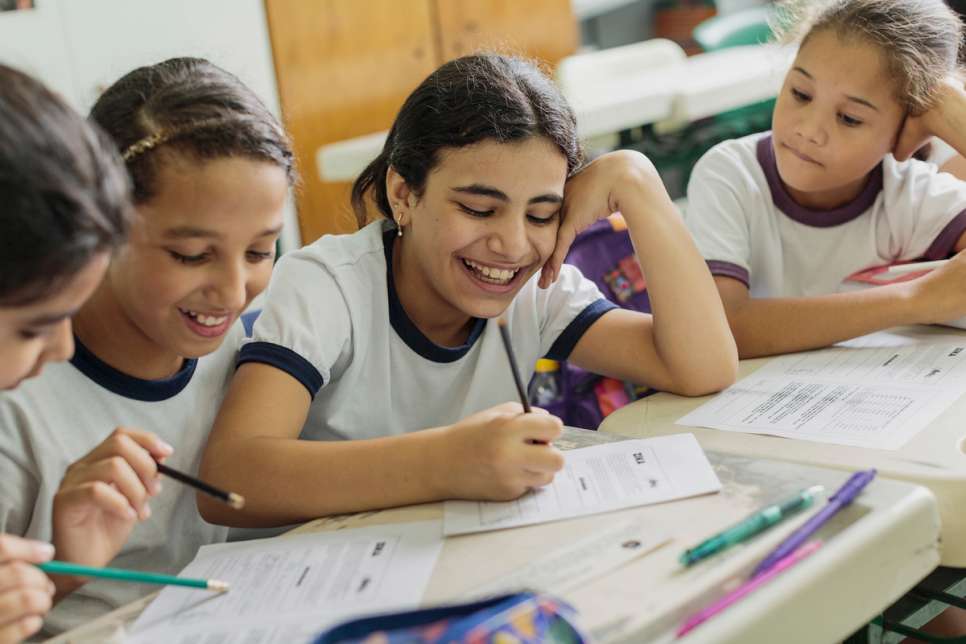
x=521, y=618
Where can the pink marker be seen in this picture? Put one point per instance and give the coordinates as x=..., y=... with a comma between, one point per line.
x=747, y=588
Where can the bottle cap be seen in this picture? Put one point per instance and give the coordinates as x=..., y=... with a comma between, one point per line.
x=545, y=365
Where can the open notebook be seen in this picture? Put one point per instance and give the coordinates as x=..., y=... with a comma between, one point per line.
x=877, y=276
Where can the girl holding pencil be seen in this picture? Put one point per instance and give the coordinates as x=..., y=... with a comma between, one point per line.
x=210, y=169
x=783, y=217
x=377, y=377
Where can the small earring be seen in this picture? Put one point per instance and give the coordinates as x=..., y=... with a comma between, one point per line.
x=399, y=232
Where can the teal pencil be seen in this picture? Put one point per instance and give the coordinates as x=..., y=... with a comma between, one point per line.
x=133, y=576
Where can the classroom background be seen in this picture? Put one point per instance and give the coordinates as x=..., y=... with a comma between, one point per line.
x=669, y=78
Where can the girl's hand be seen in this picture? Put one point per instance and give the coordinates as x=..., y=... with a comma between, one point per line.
x=594, y=193
x=940, y=295
x=26, y=594
x=104, y=494
x=499, y=453
x=917, y=130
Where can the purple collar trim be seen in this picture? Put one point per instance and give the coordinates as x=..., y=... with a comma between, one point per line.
x=817, y=218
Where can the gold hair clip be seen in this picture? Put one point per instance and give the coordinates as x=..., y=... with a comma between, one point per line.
x=154, y=140
x=145, y=144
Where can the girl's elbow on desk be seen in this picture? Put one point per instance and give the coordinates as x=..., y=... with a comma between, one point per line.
x=708, y=379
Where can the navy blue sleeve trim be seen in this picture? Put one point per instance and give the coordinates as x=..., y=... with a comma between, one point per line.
x=568, y=339
x=285, y=359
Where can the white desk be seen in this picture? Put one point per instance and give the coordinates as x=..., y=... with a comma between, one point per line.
x=876, y=550
x=934, y=458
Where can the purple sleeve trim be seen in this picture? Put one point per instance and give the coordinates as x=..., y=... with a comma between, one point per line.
x=945, y=243
x=727, y=269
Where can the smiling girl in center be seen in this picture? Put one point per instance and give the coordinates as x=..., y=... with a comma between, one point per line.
x=387, y=337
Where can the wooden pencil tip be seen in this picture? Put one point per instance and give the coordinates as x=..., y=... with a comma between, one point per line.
x=236, y=501
x=501, y=321
x=218, y=586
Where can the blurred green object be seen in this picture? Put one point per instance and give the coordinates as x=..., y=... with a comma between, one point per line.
x=745, y=27
x=674, y=154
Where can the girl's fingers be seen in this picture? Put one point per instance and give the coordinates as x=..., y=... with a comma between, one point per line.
x=543, y=459
x=138, y=448
x=542, y=428
x=13, y=548
x=20, y=574
x=565, y=237
x=141, y=462
x=117, y=472
x=101, y=495
x=19, y=629
x=23, y=602
x=149, y=441
x=537, y=479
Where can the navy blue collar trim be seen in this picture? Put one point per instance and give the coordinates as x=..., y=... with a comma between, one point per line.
x=816, y=218
x=128, y=386
x=407, y=330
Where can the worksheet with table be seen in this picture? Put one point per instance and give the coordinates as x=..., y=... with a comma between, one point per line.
x=877, y=391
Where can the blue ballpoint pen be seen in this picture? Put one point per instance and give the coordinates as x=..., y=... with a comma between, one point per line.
x=845, y=494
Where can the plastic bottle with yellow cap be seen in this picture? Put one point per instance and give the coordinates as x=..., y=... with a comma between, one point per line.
x=545, y=386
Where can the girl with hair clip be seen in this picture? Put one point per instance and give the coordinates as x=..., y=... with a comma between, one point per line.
x=65, y=207
x=376, y=376
x=210, y=169
x=783, y=217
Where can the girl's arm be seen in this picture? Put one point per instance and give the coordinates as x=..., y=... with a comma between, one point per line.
x=947, y=120
x=254, y=449
x=769, y=326
x=956, y=167
x=686, y=346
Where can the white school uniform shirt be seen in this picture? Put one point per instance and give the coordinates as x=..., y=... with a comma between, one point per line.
x=747, y=226
x=940, y=152
x=332, y=320
x=52, y=420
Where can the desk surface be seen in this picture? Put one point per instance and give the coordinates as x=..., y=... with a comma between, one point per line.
x=934, y=458
x=890, y=544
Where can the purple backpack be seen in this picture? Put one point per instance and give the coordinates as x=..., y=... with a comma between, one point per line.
x=605, y=255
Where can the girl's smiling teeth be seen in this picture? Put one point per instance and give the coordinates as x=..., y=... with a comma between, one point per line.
x=491, y=274
x=205, y=320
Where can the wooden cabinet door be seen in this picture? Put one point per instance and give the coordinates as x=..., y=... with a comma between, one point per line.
x=344, y=68
x=542, y=29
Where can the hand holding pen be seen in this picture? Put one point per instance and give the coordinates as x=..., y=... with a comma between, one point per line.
x=500, y=453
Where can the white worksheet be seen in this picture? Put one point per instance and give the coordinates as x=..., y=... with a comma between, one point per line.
x=877, y=391
x=597, y=479
x=288, y=589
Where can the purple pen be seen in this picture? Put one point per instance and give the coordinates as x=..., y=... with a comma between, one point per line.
x=845, y=494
